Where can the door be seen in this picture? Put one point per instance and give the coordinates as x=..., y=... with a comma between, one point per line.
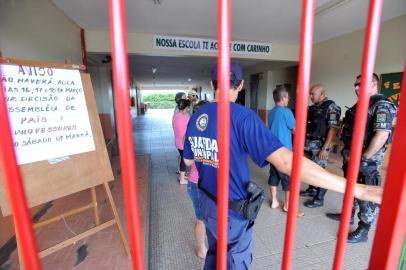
x=254, y=85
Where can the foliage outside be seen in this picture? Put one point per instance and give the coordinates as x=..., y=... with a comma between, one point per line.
x=160, y=101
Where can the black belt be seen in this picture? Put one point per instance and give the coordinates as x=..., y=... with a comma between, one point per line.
x=237, y=206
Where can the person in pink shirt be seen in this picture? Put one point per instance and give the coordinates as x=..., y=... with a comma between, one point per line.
x=179, y=124
x=193, y=191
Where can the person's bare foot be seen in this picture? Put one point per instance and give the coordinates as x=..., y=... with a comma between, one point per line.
x=201, y=252
x=183, y=182
x=274, y=204
x=299, y=213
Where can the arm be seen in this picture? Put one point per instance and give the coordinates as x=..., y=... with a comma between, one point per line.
x=188, y=162
x=378, y=141
x=330, y=135
x=313, y=174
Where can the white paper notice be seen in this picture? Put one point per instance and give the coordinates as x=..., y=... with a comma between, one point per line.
x=48, y=113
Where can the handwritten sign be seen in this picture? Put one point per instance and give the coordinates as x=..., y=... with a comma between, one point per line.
x=47, y=111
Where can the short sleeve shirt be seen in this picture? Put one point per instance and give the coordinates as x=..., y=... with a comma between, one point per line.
x=248, y=137
x=384, y=114
x=333, y=115
x=179, y=124
x=281, y=123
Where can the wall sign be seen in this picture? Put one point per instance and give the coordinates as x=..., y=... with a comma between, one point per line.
x=210, y=45
x=391, y=85
x=48, y=113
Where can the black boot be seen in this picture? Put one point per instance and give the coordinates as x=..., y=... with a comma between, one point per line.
x=309, y=192
x=318, y=200
x=337, y=216
x=358, y=236
x=314, y=203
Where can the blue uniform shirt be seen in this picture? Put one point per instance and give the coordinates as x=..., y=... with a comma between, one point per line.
x=248, y=136
x=281, y=123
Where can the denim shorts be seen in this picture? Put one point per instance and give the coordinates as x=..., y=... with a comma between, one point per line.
x=194, y=194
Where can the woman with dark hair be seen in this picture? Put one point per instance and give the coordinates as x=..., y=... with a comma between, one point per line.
x=179, y=96
x=179, y=124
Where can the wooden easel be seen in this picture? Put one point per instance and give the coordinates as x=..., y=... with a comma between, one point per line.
x=97, y=228
x=45, y=182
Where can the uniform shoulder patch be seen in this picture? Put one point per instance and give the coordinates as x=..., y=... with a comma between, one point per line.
x=202, y=122
x=380, y=117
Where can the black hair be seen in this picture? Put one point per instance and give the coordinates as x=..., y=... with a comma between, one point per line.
x=233, y=84
x=199, y=104
x=179, y=96
x=183, y=103
x=375, y=77
x=279, y=92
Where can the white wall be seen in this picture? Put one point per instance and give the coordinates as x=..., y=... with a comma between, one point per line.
x=37, y=30
x=272, y=75
x=337, y=62
x=102, y=86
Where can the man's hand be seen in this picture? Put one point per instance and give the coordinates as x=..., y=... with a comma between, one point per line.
x=315, y=175
x=323, y=154
x=378, y=141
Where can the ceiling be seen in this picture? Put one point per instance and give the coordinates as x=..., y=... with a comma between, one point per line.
x=254, y=20
x=174, y=72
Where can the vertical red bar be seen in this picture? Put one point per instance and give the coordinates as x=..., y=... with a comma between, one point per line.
x=15, y=190
x=223, y=122
x=83, y=47
x=391, y=227
x=368, y=63
x=125, y=136
x=306, y=43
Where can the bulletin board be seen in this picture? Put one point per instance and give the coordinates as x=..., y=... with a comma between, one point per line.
x=56, y=174
x=391, y=85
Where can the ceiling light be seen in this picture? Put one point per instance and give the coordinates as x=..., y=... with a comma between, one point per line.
x=189, y=79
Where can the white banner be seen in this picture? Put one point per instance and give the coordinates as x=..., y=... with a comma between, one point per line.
x=47, y=111
x=210, y=45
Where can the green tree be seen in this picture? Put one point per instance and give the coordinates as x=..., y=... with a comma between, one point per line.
x=160, y=101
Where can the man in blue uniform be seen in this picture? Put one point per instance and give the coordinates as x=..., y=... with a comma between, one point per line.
x=248, y=137
x=381, y=112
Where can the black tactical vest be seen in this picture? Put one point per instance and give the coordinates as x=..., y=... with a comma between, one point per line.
x=349, y=121
x=317, y=125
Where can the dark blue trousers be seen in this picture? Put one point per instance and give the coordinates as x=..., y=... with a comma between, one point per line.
x=239, y=255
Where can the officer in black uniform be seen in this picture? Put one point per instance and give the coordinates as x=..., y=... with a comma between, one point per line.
x=322, y=125
x=378, y=133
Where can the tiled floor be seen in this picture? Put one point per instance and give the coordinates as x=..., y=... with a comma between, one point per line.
x=171, y=220
x=104, y=249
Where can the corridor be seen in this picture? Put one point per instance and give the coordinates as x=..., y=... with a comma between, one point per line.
x=171, y=243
